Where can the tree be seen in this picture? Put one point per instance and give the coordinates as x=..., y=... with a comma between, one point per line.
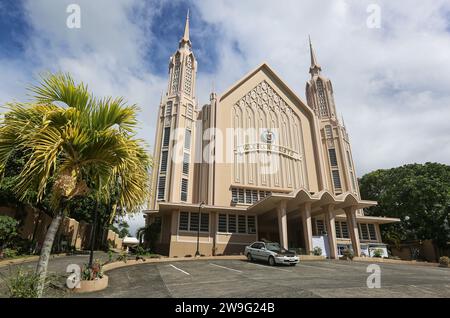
x=81, y=143
x=8, y=231
x=418, y=194
x=122, y=228
x=148, y=235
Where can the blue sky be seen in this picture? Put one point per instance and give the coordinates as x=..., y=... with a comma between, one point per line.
x=391, y=83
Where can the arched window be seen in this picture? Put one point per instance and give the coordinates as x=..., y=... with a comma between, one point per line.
x=176, y=75
x=323, y=109
x=188, y=76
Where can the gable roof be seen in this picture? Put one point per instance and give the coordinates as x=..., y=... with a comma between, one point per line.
x=265, y=67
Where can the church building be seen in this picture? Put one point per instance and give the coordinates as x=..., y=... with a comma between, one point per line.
x=255, y=163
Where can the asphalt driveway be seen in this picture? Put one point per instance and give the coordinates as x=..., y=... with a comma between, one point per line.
x=236, y=278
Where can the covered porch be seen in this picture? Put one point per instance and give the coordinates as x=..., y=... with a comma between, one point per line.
x=288, y=218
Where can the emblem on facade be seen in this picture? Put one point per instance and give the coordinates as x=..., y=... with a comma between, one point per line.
x=268, y=136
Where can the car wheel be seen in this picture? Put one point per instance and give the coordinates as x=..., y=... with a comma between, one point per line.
x=271, y=261
x=249, y=257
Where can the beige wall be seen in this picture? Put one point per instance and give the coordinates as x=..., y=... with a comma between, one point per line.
x=245, y=174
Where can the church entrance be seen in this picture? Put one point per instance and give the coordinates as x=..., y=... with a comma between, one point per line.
x=268, y=230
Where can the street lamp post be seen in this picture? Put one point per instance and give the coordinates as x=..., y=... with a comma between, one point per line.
x=197, y=253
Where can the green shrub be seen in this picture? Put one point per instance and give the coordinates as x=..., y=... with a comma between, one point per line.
x=317, y=251
x=444, y=261
x=9, y=253
x=8, y=231
x=92, y=273
x=378, y=252
x=22, y=284
x=110, y=256
x=122, y=257
x=348, y=254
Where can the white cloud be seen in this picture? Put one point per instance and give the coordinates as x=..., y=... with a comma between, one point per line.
x=391, y=84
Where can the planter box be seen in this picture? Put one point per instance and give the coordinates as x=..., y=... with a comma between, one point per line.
x=87, y=286
x=311, y=258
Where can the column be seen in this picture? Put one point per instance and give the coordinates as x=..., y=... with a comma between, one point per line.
x=350, y=212
x=213, y=230
x=282, y=224
x=331, y=229
x=307, y=226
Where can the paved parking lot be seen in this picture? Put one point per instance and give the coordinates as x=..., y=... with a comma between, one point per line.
x=236, y=278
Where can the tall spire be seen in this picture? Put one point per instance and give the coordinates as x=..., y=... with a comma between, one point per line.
x=315, y=67
x=186, y=28
x=185, y=38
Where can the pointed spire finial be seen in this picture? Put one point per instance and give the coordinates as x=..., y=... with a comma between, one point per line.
x=315, y=67
x=186, y=28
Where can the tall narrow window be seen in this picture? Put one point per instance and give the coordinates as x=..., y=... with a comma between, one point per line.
x=189, y=111
x=320, y=227
x=352, y=176
x=169, y=109
x=372, y=232
x=204, y=222
x=349, y=159
x=323, y=110
x=187, y=139
x=161, y=187
x=333, y=158
x=363, y=232
x=184, y=221
x=248, y=196
x=338, y=229
x=254, y=196
x=176, y=75
x=188, y=76
x=251, y=224
x=241, y=196
x=234, y=195
x=242, y=228
x=164, y=161
x=194, y=222
x=166, y=139
x=336, y=179
x=222, y=223
x=184, y=189
x=328, y=132
x=344, y=228
x=231, y=223
x=186, y=163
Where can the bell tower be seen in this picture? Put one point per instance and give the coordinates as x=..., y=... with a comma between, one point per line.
x=335, y=141
x=172, y=175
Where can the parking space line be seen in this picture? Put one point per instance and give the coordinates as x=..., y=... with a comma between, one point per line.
x=230, y=269
x=179, y=269
x=272, y=267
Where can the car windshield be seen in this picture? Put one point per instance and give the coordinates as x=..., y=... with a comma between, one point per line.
x=275, y=247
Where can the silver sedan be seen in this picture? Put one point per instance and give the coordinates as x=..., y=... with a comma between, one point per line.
x=270, y=252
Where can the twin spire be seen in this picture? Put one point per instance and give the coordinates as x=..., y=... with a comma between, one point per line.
x=313, y=69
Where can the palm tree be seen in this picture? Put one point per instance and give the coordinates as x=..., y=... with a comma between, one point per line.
x=74, y=143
